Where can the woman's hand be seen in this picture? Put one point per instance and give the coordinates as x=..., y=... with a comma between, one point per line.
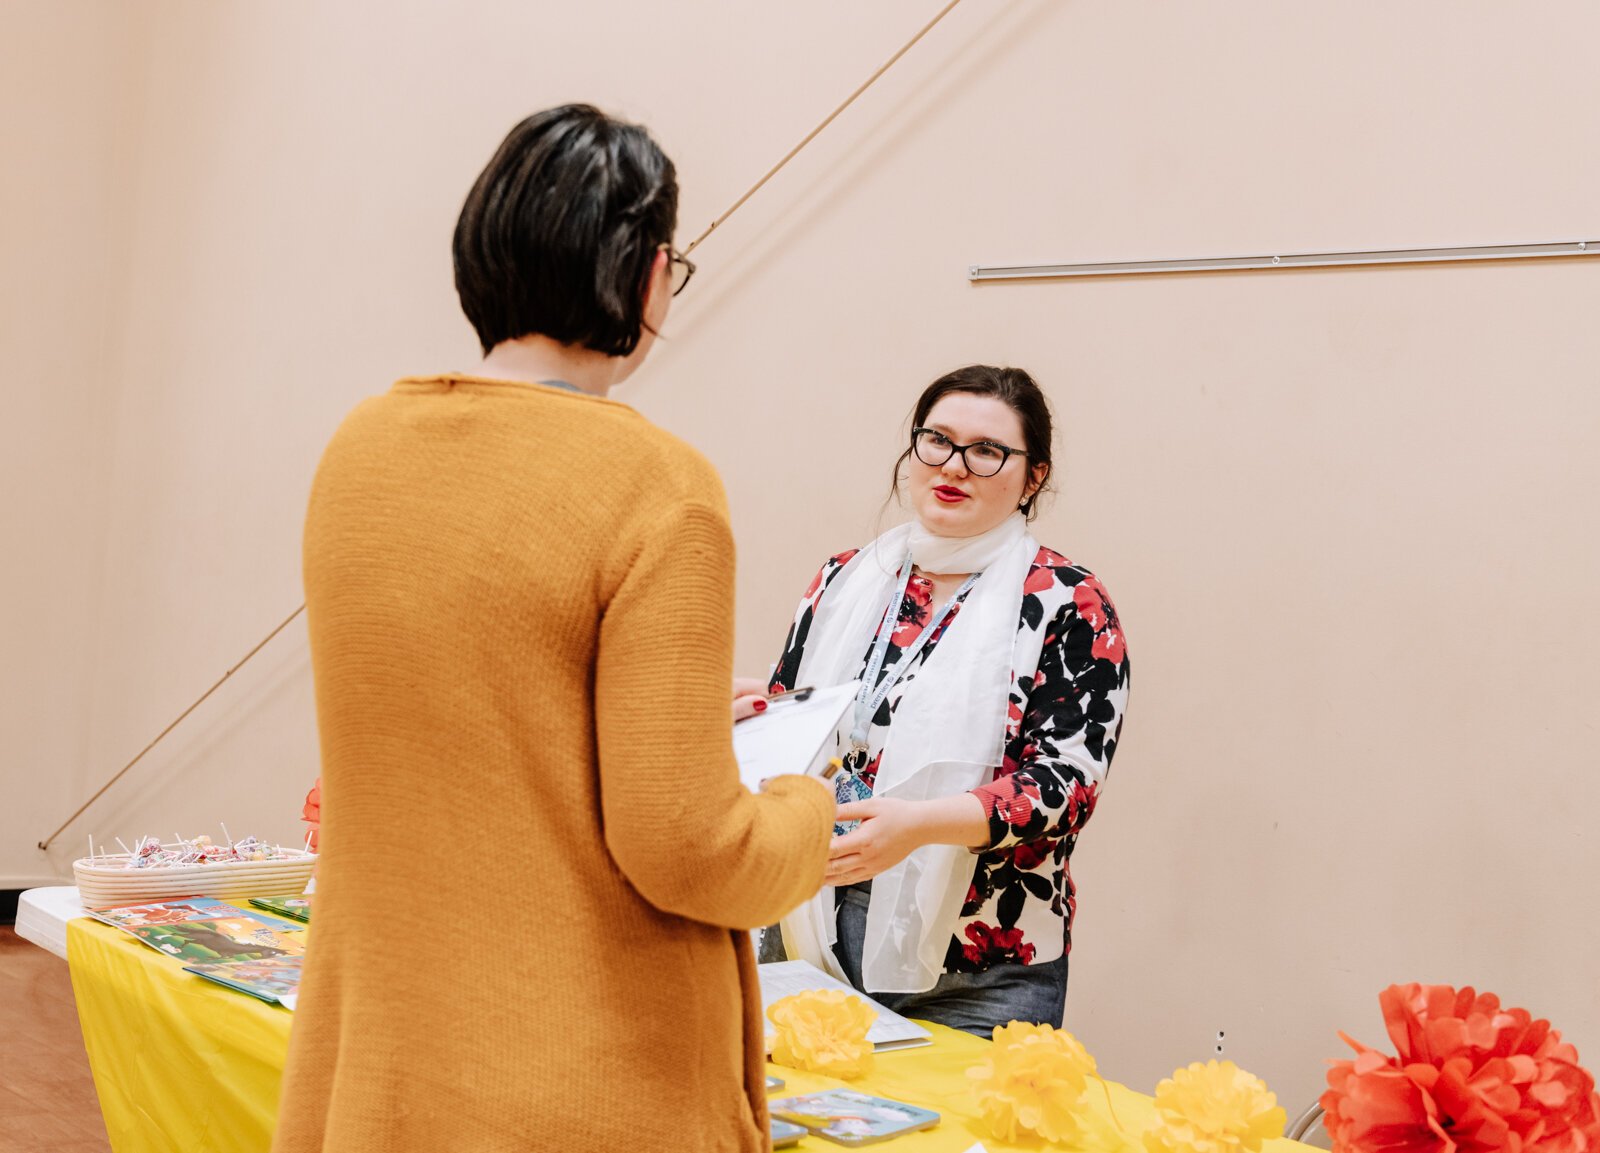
x=749, y=698
x=889, y=831
x=892, y=829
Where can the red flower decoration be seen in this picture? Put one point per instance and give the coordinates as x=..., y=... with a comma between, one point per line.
x=991, y=945
x=1039, y=579
x=1080, y=804
x=915, y=609
x=816, y=582
x=311, y=814
x=1469, y=1075
x=1032, y=854
x=1096, y=610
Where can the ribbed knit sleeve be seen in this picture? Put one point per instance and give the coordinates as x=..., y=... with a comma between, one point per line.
x=679, y=824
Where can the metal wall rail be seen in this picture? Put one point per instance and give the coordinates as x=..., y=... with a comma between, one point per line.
x=982, y=272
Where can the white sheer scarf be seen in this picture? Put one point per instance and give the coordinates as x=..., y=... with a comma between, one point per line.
x=948, y=735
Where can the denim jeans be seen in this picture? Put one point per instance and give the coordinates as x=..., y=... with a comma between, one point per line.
x=973, y=1002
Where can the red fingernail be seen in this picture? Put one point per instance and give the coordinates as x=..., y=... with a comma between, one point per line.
x=761, y=706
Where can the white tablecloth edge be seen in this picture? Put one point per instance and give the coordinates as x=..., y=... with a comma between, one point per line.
x=42, y=916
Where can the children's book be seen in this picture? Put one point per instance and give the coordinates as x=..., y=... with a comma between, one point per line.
x=296, y=908
x=186, y=909
x=275, y=979
x=222, y=939
x=785, y=1134
x=848, y=1117
x=242, y=948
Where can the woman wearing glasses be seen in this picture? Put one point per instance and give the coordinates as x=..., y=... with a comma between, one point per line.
x=993, y=677
x=519, y=601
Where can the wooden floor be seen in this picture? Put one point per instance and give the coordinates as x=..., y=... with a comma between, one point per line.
x=47, y=1101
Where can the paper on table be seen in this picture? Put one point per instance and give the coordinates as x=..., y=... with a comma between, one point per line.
x=792, y=736
x=890, y=1031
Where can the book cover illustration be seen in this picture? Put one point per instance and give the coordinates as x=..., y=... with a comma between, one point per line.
x=295, y=908
x=187, y=909
x=853, y=1118
x=274, y=979
x=223, y=939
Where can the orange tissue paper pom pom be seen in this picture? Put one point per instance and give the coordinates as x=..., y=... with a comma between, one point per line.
x=1469, y=1075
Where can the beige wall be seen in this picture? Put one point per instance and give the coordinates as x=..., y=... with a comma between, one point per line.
x=1346, y=515
x=64, y=132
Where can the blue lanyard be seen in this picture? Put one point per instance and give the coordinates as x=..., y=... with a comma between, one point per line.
x=869, y=700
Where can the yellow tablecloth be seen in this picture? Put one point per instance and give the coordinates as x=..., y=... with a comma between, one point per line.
x=186, y=1066
x=182, y=1065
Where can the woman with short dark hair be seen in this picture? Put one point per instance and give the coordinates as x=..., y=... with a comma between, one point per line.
x=992, y=679
x=560, y=233
x=537, y=860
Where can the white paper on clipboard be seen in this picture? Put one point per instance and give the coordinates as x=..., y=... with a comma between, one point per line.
x=794, y=735
x=889, y=1030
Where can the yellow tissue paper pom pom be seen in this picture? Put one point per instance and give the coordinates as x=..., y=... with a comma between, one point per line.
x=823, y=1031
x=1213, y=1108
x=1033, y=1082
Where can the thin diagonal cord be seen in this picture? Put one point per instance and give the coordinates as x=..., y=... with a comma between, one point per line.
x=261, y=644
x=710, y=228
x=812, y=135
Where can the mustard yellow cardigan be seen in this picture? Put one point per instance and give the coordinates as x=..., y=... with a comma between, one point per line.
x=538, y=862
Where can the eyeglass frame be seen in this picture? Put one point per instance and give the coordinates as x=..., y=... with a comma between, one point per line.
x=676, y=257
x=962, y=449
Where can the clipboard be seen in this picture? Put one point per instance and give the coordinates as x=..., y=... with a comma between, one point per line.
x=889, y=1032
x=798, y=733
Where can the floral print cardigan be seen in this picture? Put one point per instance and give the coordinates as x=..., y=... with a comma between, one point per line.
x=1064, y=722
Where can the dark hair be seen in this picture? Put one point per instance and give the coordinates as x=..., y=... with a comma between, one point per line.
x=560, y=231
x=1014, y=388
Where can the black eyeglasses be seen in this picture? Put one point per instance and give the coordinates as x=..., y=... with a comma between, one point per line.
x=982, y=458
x=679, y=267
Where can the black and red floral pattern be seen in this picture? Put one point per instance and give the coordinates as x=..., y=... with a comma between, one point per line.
x=1065, y=720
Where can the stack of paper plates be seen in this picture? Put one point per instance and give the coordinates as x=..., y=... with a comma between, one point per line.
x=106, y=881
